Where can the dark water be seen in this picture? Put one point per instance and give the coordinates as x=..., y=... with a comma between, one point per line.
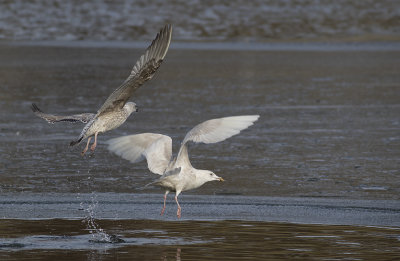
x=329, y=124
x=195, y=240
x=328, y=134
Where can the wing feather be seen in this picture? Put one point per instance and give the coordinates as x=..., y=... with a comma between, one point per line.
x=156, y=148
x=215, y=130
x=143, y=71
x=51, y=118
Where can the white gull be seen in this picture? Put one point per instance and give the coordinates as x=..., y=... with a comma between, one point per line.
x=178, y=174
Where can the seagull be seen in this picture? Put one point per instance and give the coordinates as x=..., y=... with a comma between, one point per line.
x=115, y=110
x=178, y=174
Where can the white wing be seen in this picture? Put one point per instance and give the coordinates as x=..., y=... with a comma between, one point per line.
x=215, y=130
x=156, y=148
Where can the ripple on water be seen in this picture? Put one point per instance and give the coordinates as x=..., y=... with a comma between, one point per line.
x=218, y=240
x=82, y=242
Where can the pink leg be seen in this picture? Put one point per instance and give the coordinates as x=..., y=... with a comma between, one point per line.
x=94, y=143
x=87, y=146
x=178, y=212
x=165, y=199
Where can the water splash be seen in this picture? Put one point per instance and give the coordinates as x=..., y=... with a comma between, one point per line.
x=98, y=235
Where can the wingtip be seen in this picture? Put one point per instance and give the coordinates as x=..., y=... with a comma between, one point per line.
x=169, y=37
x=164, y=32
x=167, y=28
x=35, y=108
x=164, y=37
x=253, y=118
x=74, y=142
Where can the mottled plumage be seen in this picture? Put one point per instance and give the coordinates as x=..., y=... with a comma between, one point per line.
x=51, y=118
x=116, y=109
x=178, y=174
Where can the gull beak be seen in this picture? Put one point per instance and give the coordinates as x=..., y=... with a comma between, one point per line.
x=221, y=179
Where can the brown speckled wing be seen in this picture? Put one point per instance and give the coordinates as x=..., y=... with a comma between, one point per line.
x=51, y=118
x=143, y=71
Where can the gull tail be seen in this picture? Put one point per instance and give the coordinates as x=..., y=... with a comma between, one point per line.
x=74, y=142
x=149, y=185
x=83, y=133
x=145, y=186
x=35, y=108
x=154, y=183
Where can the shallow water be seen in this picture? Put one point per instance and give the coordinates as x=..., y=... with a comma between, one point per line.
x=327, y=143
x=195, y=240
x=138, y=206
x=329, y=124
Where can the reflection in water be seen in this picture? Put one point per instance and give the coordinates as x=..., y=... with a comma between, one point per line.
x=97, y=254
x=177, y=256
x=196, y=240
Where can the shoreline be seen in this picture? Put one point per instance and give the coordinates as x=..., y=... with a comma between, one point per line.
x=220, y=46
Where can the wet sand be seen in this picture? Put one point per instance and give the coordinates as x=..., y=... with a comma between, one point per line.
x=325, y=151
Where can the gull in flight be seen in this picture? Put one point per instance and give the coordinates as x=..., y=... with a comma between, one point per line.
x=178, y=174
x=115, y=110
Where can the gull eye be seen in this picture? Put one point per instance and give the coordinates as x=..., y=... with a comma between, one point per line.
x=211, y=174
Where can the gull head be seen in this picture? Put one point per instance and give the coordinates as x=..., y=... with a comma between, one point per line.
x=130, y=107
x=206, y=176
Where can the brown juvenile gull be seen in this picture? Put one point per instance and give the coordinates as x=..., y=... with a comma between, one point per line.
x=116, y=109
x=178, y=174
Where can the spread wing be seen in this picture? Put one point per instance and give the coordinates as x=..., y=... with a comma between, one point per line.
x=143, y=71
x=51, y=118
x=156, y=148
x=213, y=131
